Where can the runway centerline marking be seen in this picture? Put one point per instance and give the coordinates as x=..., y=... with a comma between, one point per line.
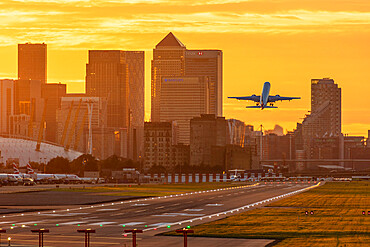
x=133, y=223
x=194, y=209
x=176, y=214
x=139, y=204
x=103, y=223
x=139, y=211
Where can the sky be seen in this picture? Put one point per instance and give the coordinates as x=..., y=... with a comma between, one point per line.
x=285, y=42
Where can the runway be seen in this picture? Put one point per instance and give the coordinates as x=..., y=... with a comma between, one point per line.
x=153, y=215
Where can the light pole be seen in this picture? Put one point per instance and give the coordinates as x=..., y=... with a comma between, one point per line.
x=87, y=235
x=185, y=232
x=134, y=231
x=9, y=241
x=1, y=231
x=41, y=235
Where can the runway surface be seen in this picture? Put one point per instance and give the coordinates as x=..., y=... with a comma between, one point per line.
x=153, y=215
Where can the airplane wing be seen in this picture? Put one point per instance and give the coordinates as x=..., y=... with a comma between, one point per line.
x=254, y=98
x=256, y=106
x=280, y=98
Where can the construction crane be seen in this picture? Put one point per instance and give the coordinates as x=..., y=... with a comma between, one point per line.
x=30, y=123
x=41, y=130
x=79, y=133
x=71, y=132
x=66, y=125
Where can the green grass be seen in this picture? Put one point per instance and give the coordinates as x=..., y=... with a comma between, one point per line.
x=149, y=189
x=337, y=219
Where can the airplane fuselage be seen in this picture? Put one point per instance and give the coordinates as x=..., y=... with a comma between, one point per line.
x=265, y=94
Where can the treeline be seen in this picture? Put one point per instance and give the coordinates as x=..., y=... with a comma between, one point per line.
x=186, y=168
x=85, y=163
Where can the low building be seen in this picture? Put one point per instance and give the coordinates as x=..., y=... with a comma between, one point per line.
x=206, y=131
x=159, y=138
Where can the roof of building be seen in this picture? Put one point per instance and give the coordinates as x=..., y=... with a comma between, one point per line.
x=170, y=40
x=24, y=151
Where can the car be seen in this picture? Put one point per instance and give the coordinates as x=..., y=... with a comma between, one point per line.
x=28, y=182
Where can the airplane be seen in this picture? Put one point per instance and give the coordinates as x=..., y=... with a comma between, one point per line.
x=19, y=175
x=41, y=177
x=235, y=177
x=263, y=101
x=52, y=178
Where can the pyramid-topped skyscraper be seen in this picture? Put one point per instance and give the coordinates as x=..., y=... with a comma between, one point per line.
x=172, y=59
x=169, y=41
x=168, y=60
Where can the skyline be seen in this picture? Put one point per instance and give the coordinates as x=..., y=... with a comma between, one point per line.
x=290, y=47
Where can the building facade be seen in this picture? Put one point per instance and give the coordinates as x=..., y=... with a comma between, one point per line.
x=82, y=124
x=324, y=121
x=6, y=104
x=207, y=63
x=136, y=82
x=107, y=76
x=160, y=137
x=168, y=60
x=32, y=62
x=206, y=132
x=325, y=91
x=183, y=98
x=27, y=101
x=53, y=93
x=119, y=77
x=172, y=59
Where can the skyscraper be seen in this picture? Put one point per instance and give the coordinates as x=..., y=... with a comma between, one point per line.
x=325, y=91
x=325, y=120
x=168, y=60
x=53, y=92
x=119, y=77
x=183, y=98
x=107, y=76
x=171, y=59
x=6, y=104
x=136, y=71
x=32, y=59
x=207, y=63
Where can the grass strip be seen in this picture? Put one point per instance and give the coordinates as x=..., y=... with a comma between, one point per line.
x=337, y=218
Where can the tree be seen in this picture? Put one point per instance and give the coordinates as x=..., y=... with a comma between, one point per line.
x=58, y=165
x=115, y=163
x=85, y=162
x=155, y=169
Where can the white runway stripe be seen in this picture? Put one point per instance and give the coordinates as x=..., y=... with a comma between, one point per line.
x=133, y=223
x=103, y=223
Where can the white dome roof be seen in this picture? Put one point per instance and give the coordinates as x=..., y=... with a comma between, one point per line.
x=24, y=150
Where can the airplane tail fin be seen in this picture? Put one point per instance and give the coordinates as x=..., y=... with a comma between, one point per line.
x=29, y=169
x=15, y=168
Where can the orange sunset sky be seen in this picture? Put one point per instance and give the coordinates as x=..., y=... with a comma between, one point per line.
x=286, y=42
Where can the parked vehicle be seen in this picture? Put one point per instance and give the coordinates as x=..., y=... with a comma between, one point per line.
x=28, y=182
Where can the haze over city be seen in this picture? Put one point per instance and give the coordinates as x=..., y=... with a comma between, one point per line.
x=285, y=42
x=202, y=123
